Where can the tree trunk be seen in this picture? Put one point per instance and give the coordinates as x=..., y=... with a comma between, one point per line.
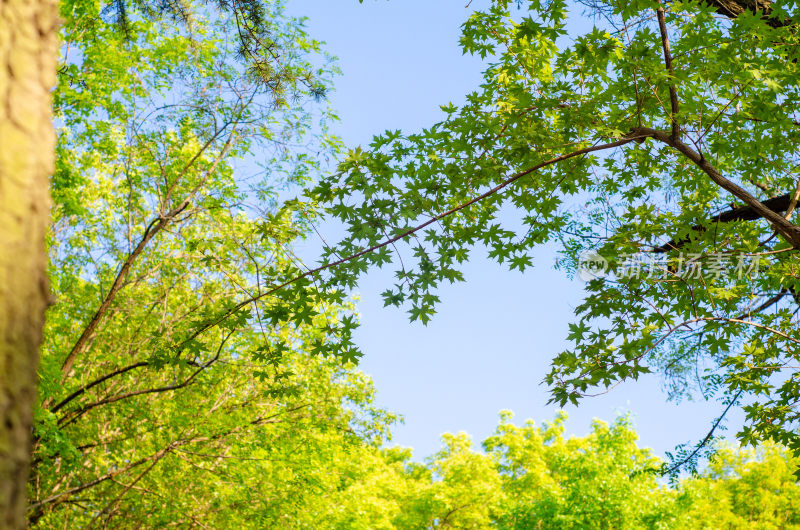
x=28, y=54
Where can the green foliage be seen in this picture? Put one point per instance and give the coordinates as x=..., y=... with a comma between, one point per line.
x=743, y=489
x=570, y=483
x=596, y=143
x=178, y=386
x=534, y=477
x=196, y=373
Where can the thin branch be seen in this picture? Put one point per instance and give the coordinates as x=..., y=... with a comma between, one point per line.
x=111, y=506
x=96, y=382
x=766, y=305
x=71, y=416
x=155, y=456
x=793, y=202
x=673, y=93
x=705, y=440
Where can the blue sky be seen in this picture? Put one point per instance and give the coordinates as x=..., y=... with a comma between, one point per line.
x=490, y=344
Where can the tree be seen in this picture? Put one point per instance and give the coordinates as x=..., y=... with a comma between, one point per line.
x=742, y=489
x=664, y=140
x=180, y=355
x=188, y=341
x=531, y=476
x=28, y=50
x=577, y=482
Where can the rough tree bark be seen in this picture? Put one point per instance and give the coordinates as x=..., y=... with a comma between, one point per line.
x=734, y=8
x=28, y=54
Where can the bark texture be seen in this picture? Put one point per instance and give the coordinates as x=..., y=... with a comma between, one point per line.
x=734, y=8
x=28, y=52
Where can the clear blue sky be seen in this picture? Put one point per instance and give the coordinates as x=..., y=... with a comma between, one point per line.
x=490, y=344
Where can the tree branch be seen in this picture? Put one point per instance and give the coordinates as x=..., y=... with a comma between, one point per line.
x=155, y=226
x=97, y=382
x=734, y=8
x=633, y=136
x=742, y=213
x=781, y=225
x=71, y=416
x=673, y=94
x=77, y=489
x=766, y=305
x=705, y=440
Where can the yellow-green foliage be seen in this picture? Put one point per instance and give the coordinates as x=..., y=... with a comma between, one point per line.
x=534, y=477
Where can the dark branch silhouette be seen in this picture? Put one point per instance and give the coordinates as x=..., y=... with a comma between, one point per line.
x=739, y=213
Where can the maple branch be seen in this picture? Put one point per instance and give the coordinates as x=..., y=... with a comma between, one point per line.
x=734, y=8
x=766, y=305
x=793, y=202
x=633, y=136
x=781, y=224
